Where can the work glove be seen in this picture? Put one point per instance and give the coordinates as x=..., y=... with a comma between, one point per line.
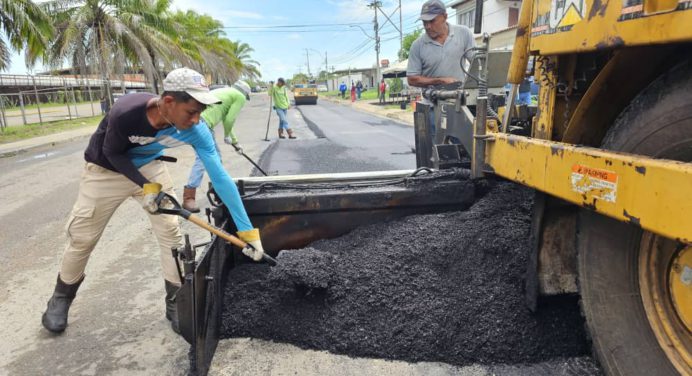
x=252, y=237
x=151, y=191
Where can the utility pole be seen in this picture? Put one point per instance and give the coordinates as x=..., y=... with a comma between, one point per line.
x=401, y=33
x=307, y=57
x=375, y=5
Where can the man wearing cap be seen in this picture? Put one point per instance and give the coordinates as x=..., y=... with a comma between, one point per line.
x=124, y=159
x=435, y=57
x=232, y=99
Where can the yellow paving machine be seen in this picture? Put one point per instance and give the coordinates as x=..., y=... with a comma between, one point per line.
x=608, y=148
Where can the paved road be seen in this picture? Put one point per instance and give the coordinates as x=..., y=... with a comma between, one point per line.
x=347, y=141
x=117, y=323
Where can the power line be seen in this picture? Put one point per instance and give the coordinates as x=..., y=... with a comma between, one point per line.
x=292, y=26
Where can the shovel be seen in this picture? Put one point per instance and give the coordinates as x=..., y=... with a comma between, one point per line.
x=240, y=151
x=175, y=209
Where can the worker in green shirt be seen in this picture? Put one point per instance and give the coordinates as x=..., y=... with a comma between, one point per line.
x=279, y=94
x=232, y=100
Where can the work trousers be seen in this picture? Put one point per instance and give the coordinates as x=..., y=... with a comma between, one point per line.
x=283, y=121
x=101, y=191
x=197, y=171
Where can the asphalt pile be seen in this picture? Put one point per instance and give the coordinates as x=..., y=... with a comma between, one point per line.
x=441, y=287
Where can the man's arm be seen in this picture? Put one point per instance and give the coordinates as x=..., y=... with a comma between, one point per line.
x=223, y=184
x=231, y=115
x=422, y=81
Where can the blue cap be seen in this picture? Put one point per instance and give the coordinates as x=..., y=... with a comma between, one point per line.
x=432, y=9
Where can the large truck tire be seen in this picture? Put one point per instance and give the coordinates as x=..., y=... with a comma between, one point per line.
x=635, y=286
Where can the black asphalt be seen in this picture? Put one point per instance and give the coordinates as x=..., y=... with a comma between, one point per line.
x=347, y=141
x=440, y=287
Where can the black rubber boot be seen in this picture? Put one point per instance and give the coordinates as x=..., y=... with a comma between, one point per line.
x=171, y=306
x=55, y=317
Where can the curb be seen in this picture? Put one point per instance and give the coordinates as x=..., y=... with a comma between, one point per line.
x=363, y=107
x=12, y=149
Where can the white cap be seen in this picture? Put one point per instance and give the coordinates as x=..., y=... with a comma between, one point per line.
x=191, y=82
x=243, y=87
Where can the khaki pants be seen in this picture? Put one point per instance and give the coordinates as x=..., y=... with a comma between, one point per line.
x=101, y=191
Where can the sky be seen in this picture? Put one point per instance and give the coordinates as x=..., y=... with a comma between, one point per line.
x=281, y=31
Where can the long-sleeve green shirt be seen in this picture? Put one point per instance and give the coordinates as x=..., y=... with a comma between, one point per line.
x=280, y=96
x=232, y=100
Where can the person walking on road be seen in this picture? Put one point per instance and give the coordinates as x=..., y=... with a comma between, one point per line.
x=232, y=101
x=382, y=89
x=359, y=88
x=125, y=159
x=279, y=94
x=353, y=92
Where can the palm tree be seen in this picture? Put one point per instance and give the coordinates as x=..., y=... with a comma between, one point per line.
x=202, y=38
x=249, y=67
x=110, y=35
x=25, y=25
x=157, y=30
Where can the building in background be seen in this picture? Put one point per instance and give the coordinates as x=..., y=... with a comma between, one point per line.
x=500, y=19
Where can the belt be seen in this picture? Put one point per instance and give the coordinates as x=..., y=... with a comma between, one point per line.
x=165, y=158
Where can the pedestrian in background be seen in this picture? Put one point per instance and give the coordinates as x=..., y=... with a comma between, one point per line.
x=353, y=92
x=104, y=105
x=279, y=94
x=382, y=89
x=125, y=159
x=232, y=101
x=342, y=89
x=525, y=92
x=359, y=88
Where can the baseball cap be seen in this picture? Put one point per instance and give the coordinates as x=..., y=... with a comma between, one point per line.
x=432, y=9
x=191, y=82
x=243, y=87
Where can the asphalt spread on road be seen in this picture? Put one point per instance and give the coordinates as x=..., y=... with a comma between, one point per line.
x=441, y=287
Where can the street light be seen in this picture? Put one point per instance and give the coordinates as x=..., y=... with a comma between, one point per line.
x=363, y=30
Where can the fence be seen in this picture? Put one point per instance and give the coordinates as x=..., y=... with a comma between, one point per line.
x=50, y=98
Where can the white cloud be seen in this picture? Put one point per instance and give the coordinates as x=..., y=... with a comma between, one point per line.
x=294, y=36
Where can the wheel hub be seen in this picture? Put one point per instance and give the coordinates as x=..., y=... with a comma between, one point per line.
x=680, y=282
x=665, y=282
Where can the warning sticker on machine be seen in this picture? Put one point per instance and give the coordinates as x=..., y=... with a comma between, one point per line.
x=596, y=183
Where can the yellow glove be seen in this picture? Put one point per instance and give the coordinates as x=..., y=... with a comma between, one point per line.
x=254, y=250
x=150, y=190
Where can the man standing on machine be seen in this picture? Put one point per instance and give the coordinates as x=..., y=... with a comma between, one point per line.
x=435, y=57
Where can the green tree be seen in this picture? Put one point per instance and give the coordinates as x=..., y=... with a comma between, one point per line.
x=26, y=26
x=300, y=78
x=157, y=31
x=104, y=35
x=202, y=39
x=408, y=41
x=249, y=68
x=395, y=85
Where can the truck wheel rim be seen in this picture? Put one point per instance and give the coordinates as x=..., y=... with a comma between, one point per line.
x=665, y=282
